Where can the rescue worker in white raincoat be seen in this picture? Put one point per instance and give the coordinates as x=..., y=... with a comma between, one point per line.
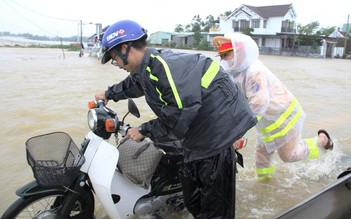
x=279, y=113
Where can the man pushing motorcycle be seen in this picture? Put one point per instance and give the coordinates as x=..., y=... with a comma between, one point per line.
x=193, y=99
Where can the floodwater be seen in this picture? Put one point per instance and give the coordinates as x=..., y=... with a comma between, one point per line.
x=44, y=90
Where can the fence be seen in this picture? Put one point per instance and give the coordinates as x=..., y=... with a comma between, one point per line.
x=303, y=51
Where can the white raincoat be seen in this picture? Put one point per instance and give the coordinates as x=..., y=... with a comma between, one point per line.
x=280, y=115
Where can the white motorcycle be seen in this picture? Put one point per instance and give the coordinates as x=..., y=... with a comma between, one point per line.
x=66, y=177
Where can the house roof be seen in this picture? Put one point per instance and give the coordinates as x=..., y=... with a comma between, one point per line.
x=343, y=33
x=270, y=11
x=166, y=32
x=338, y=34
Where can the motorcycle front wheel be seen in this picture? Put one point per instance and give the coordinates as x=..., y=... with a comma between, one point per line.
x=48, y=205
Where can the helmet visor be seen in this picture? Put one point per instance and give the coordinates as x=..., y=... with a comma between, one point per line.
x=105, y=55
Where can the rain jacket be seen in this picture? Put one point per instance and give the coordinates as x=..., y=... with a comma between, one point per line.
x=193, y=98
x=279, y=113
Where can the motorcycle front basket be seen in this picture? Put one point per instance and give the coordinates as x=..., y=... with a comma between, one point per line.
x=54, y=159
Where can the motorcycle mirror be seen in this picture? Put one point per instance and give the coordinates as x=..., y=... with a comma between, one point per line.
x=133, y=109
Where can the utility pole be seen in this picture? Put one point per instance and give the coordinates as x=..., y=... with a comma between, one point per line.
x=81, y=39
x=347, y=33
x=81, y=32
x=98, y=30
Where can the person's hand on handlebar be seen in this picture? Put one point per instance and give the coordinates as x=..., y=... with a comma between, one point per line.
x=101, y=96
x=134, y=134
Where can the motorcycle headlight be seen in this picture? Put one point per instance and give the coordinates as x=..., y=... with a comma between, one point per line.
x=96, y=122
x=92, y=119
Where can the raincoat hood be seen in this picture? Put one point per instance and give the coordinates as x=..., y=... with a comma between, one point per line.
x=245, y=52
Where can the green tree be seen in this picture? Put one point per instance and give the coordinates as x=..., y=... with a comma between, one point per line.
x=247, y=31
x=226, y=14
x=326, y=31
x=196, y=27
x=308, y=29
x=204, y=45
x=197, y=23
x=179, y=28
x=210, y=22
x=188, y=28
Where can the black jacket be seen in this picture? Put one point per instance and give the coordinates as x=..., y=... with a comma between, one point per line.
x=194, y=99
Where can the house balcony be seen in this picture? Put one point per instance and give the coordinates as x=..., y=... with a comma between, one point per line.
x=287, y=30
x=239, y=29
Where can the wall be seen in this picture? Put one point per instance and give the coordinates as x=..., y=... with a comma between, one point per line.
x=156, y=38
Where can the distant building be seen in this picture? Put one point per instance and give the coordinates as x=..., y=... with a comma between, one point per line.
x=184, y=39
x=273, y=26
x=180, y=40
x=160, y=38
x=5, y=33
x=336, y=41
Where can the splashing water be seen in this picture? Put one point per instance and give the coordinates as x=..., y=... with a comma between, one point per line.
x=329, y=165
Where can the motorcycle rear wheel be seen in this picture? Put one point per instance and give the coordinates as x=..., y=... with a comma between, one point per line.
x=47, y=204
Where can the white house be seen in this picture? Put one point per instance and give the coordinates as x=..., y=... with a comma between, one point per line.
x=337, y=40
x=273, y=26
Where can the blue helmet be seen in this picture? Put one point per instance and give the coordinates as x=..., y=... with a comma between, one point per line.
x=118, y=33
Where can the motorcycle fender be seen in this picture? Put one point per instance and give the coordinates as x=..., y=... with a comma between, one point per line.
x=101, y=172
x=34, y=188
x=128, y=192
x=94, y=144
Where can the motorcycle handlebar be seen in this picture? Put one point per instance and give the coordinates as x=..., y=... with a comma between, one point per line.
x=123, y=129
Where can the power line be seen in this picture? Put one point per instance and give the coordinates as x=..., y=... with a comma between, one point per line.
x=42, y=14
x=28, y=20
x=37, y=13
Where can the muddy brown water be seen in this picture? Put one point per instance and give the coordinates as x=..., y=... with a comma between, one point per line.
x=44, y=92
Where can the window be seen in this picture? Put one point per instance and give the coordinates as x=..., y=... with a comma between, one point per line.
x=235, y=25
x=244, y=24
x=287, y=26
x=255, y=23
x=265, y=24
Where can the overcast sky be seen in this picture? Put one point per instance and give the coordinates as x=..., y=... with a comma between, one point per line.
x=61, y=18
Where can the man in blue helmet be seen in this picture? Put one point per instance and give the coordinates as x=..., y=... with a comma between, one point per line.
x=195, y=102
